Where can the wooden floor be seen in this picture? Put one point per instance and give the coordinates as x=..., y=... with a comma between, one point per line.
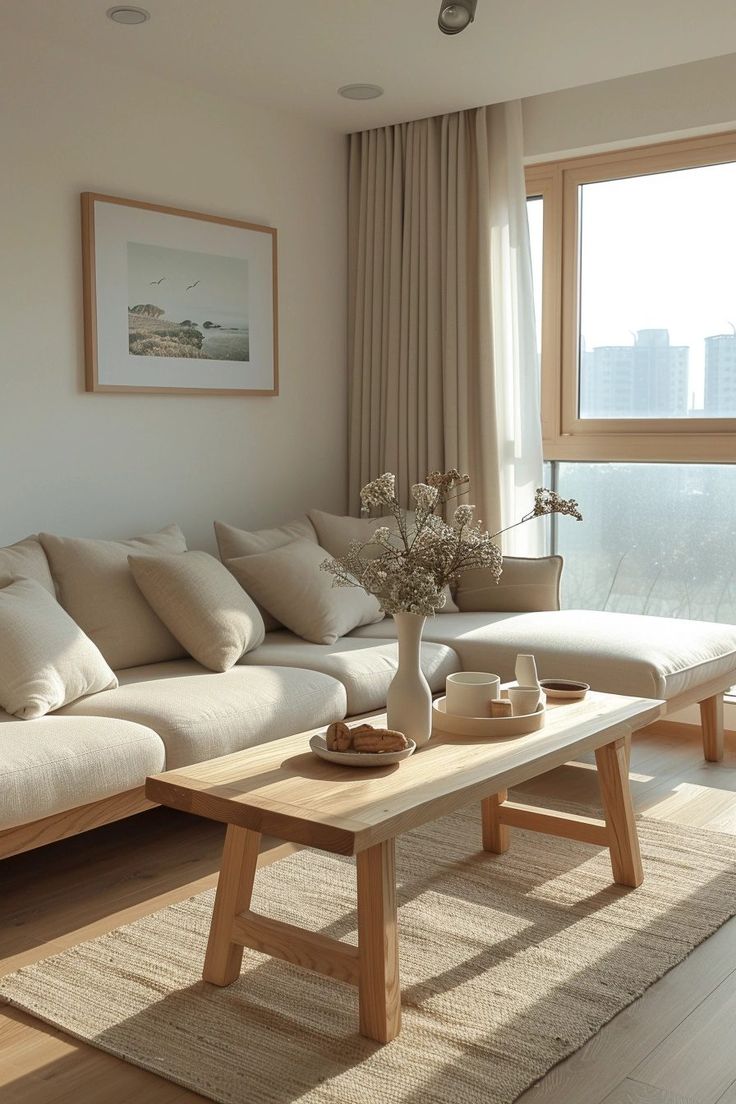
x=674, y=1046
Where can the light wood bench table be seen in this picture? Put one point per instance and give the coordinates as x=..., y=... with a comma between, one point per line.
x=282, y=789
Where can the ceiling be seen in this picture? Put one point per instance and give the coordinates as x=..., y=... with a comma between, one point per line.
x=294, y=54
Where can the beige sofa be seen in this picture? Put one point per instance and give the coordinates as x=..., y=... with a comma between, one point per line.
x=86, y=763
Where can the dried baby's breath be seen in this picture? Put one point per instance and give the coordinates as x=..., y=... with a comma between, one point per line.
x=419, y=559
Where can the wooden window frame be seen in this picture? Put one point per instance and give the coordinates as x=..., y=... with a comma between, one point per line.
x=566, y=435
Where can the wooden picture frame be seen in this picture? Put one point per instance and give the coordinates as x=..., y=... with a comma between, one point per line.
x=136, y=341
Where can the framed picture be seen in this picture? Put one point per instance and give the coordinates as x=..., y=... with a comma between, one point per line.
x=177, y=302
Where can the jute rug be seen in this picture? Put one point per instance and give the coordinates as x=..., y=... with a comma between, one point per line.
x=508, y=965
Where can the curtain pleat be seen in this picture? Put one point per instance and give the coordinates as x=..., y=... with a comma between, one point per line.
x=442, y=344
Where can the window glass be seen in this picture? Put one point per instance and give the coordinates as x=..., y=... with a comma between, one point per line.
x=656, y=539
x=535, y=214
x=658, y=295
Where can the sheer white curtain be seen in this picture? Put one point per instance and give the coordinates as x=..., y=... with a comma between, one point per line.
x=442, y=342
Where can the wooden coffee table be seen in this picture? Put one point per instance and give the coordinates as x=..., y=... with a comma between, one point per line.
x=280, y=788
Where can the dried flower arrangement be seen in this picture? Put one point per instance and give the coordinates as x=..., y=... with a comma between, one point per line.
x=408, y=563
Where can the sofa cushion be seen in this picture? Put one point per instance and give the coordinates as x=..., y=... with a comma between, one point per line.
x=526, y=586
x=27, y=560
x=290, y=584
x=200, y=602
x=46, y=661
x=618, y=653
x=233, y=543
x=336, y=533
x=199, y=714
x=57, y=763
x=97, y=589
x=364, y=667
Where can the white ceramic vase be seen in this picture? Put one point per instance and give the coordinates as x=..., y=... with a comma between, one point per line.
x=409, y=699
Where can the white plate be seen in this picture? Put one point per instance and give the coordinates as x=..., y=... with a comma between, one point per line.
x=569, y=689
x=318, y=744
x=485, y=727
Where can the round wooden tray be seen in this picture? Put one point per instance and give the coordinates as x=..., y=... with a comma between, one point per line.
x=489, y=727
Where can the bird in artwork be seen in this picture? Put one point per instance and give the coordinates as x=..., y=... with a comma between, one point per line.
x=192, y=285
x=155, y=283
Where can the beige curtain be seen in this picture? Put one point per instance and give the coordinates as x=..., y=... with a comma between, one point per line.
x=443, y=361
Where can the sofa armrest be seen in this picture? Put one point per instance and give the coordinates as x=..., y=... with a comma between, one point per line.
x=525, y=586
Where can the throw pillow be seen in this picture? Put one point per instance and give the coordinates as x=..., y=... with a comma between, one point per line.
x=336, y=534
x=233, y=543
x=97, y=589
x=27, y=560
x=46, y=661
x=289, y=582
x=201, y=603
x=526, y=586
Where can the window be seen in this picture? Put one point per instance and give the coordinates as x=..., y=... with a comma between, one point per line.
x=637, y=282
x=634, y=263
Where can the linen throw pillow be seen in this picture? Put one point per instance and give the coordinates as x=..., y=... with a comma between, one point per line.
x=201, y=603
x=27, y=560
x=46, y=661
x=233, y=543
x=526, y=586
x=288, y=581
x=97, y=589
x=336, y=533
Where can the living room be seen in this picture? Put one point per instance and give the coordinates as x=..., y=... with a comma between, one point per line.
x=435, y=241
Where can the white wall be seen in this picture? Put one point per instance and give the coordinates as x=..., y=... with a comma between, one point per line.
x=116, y=465
x=683, y=99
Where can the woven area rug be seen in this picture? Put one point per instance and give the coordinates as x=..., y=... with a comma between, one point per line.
x=508, y=965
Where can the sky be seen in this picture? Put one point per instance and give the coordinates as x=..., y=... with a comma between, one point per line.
x=657, y=252
x=220, y=294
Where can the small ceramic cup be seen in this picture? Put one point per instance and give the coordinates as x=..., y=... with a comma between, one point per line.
x=469, y=693
x=524, y=699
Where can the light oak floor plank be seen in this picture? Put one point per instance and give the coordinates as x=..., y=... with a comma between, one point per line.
x=633, y=1092
x=677, y=1063
x=78, y=888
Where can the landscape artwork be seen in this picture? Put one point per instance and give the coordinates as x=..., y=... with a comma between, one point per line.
x=185, y=304
x=177, y=302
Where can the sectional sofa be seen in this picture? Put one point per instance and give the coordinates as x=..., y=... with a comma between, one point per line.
x=85, y=764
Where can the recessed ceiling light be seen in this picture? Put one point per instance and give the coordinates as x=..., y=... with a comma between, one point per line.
x=360, y=91
x=128, y=15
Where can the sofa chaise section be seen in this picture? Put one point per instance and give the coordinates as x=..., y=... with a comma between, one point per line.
x=365, y=668
x=681, y=662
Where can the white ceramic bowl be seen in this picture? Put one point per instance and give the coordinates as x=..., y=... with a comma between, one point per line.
x=564, y=688
x=318, y=744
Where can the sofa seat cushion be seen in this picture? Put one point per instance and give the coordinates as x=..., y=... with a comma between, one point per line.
x=57, y=763
x=618, y=653
x=200, y=714
x=364, y=667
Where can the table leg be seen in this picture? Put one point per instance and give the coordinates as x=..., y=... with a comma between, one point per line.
x=224, y=958
x=495, y=834
x=379, y=988
x=612, y=761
